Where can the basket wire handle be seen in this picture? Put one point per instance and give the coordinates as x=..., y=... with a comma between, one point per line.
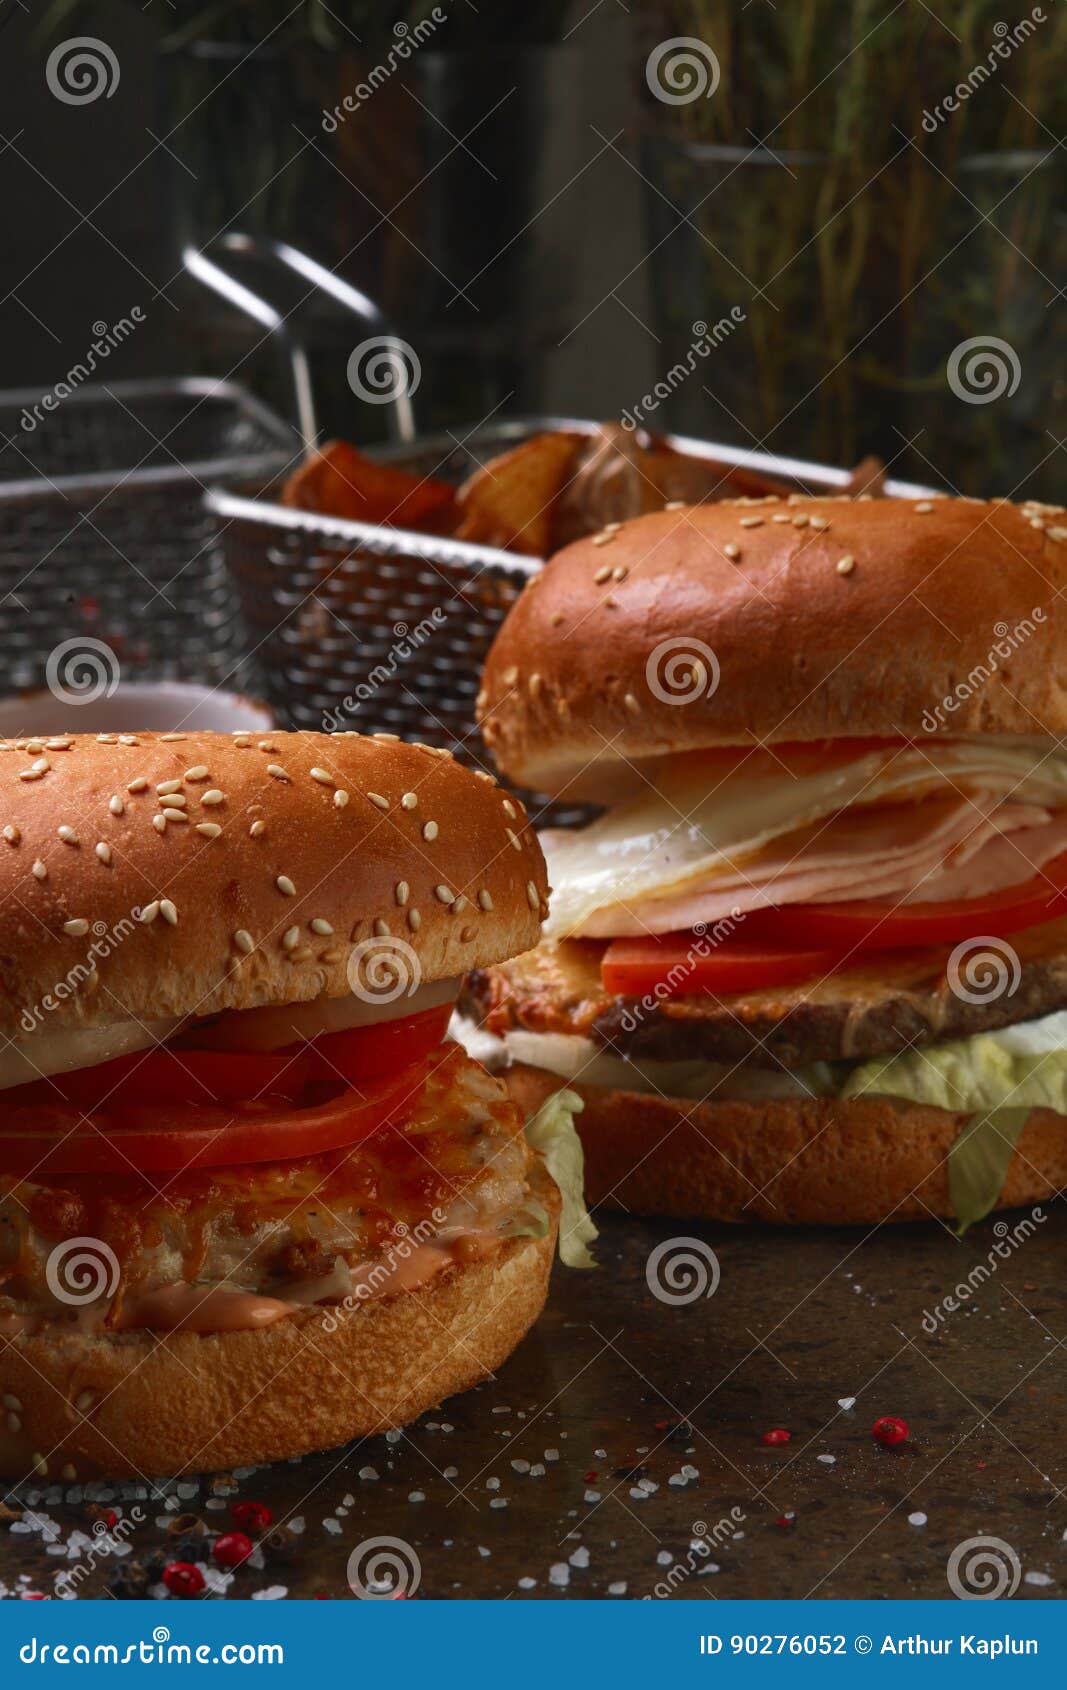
x=400, y=414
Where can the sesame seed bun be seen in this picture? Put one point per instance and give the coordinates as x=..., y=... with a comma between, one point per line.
x=778, y=620
x=253, y=877
x=138, y=1404
x=810, y=1162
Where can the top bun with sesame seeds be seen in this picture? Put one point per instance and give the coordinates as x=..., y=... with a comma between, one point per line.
x=149, y=875
x=777, y=620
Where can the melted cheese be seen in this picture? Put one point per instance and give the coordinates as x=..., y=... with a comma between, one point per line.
x=710, y=814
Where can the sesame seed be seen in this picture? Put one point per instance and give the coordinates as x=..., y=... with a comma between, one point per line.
x=244, y=940
x=106, y=739
x=170, y=739
x=513, y=840
x=103, y=851
x=675, y=505
x=631, y=704
x=611, y=603
x=444, y=894
x=159, y=823
x=166, y=786
x=385, y=736
x=780, y=516
x=924, y=507
x=401, y=892
x=409, y=800
x=535, y=683
x=620, y=573
x=39, y=871
x=340, y=797
x=197, y=772
x=76, y=928
x=1057, y=533
x=414, y=920
x=213, y=796
x=243, y=741
x=12, y=834
x=846, y=564
x=277, y=771
x=58, y=744
x=381, y=928
x=31, y=774
x=377, y=799
x=819, y=523
x=603, y=575
x=301, y=955
x=290, y=938
x=460, y=904
x=323, y=776
x=732, y=550
x=285, y=886
x=604, y=538
x=751, y=522
x=267, y=745
x=466, y=935
x=485, y=899
x=137, y=785
x=210, y=830
x=532, y=895
x=801, y=521
x=557, y=619
x=429, y=830
x=115, y=804
x=321, y=926
x=68, y=835
x=255, y=830
x=510, y=676
x=174, y=811
x=150, y=911
x=168, y=912
x=509, y=808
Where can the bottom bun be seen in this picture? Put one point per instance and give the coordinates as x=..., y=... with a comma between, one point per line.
x=812, y=1161
x=139, y=1404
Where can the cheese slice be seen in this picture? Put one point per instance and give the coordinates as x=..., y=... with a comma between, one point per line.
x=701, y=827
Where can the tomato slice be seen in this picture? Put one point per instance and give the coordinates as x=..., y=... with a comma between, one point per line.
x=361, y=1053
x=885, y=926
x=672, y=965
x=50, y=1141
x=171, y=1076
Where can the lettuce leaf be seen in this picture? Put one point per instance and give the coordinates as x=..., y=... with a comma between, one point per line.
x=978, y=1163
x=552, y=1132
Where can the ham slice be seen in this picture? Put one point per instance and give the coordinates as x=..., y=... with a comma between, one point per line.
x=943, y=848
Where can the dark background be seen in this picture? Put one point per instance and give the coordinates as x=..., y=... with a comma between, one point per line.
x=545, y=233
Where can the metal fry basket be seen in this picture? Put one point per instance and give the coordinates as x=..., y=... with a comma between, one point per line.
x=104, y=534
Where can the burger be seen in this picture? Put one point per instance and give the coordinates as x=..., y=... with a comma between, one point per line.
x=251, y=1203
x=808, y=962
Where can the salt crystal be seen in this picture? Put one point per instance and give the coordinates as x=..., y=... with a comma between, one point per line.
x=416, y=1496
x=559, y=1574
x=916, y=1519
x=846, y=1403
x=580, y=1557
x=618, y=1588
x=591, y=1496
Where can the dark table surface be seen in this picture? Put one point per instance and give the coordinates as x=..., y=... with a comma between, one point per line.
x=619, y=1453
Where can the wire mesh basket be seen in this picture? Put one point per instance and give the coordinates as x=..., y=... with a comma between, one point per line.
x=105, y=541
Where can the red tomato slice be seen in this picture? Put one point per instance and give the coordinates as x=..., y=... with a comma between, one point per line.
x=362, y=1053
x=47, y=1142
x=884, y=926
x=671, y=965
x=176, y=1076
